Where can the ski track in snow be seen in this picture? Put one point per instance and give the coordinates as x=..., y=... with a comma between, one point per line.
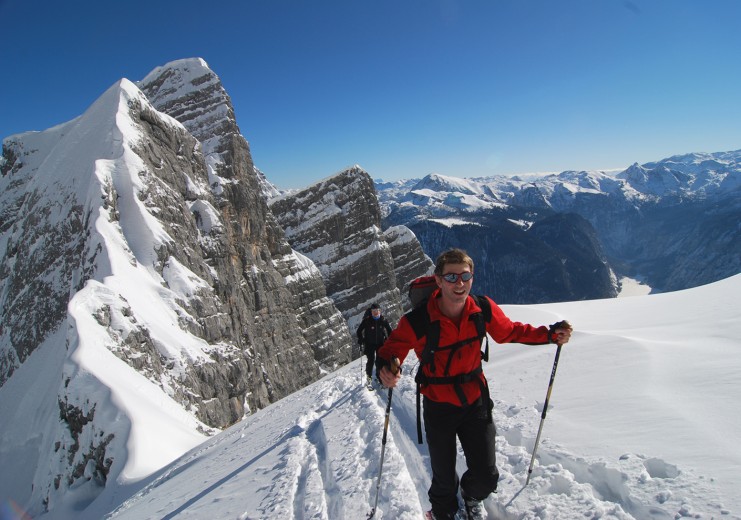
x=325, y=465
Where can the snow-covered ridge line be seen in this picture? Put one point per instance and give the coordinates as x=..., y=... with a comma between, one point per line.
x=155, y=292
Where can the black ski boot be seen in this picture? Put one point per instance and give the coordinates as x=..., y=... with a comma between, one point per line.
x=475, y=509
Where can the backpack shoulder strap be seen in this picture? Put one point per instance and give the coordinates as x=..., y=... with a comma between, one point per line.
x=483, y=303
x=419, y=319
x=480, y=319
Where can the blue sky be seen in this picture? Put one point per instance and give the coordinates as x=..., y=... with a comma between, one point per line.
x=405, y=87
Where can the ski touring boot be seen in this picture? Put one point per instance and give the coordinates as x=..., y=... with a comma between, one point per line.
x=475, y=509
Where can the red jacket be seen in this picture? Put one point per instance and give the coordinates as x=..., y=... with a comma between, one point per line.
x=466, y=359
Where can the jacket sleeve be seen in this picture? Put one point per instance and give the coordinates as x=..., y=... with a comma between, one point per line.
x=359, y=332
x=504, y=330
x=401, y=340
x=387, y=327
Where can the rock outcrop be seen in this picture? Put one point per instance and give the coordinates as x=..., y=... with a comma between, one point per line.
x=190, y=92
x=410, y=261
x=337, y=224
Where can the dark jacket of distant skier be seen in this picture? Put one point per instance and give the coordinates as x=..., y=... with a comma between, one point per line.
x=372, y=333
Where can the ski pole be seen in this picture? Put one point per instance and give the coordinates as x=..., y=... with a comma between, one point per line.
x=394, y=369
x=545, y=410
x=361, y=351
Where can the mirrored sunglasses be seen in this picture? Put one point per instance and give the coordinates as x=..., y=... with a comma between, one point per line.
x=453, y=277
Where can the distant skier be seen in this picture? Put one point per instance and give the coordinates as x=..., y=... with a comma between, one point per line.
x=372, y=332
x=446, y=332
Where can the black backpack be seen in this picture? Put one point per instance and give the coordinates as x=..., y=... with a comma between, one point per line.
x=419, y=319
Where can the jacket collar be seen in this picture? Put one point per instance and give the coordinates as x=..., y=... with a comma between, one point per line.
x=434, y=310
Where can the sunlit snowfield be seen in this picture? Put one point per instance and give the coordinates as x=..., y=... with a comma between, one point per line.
x=641, y=425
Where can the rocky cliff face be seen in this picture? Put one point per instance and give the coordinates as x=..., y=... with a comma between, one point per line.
x=585, y=270
x=514, y=265
x=337, y=224
x=44, y=229
x=191, y=93
x=139, y=257
x=410, y=261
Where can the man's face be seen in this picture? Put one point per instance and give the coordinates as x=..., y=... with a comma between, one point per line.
x=376, y=313
x=454, y=292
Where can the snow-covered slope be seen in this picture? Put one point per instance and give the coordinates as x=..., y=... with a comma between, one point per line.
x=89, y=164
x=643, y=425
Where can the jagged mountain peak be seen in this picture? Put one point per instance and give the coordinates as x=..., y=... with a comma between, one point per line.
x=170, y=82
x=698, y=158
x=174, y=77
x=658, y=180
x=707, y=168
x=100, y=266
x=351, y=171
x=343, y=177
x=634, y=170
x=355, y=168
x=64, y=156
x=193, y=67
x=138, y=256
x=354, y=171
x=336, y=222
x=192, y=93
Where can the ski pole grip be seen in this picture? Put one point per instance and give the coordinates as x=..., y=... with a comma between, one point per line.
x=395, y=365
x=563, y=324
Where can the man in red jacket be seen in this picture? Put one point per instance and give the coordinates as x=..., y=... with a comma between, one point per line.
x=456, y=397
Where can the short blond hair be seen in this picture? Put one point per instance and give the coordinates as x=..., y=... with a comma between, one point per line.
x=452, y=256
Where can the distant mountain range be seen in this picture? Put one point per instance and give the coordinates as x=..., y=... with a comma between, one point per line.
x=674, y=223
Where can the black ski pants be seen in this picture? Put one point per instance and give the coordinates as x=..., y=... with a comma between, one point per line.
x=370, y=353
x=443, y=422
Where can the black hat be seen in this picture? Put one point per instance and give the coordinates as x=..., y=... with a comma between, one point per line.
x=375, y=306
